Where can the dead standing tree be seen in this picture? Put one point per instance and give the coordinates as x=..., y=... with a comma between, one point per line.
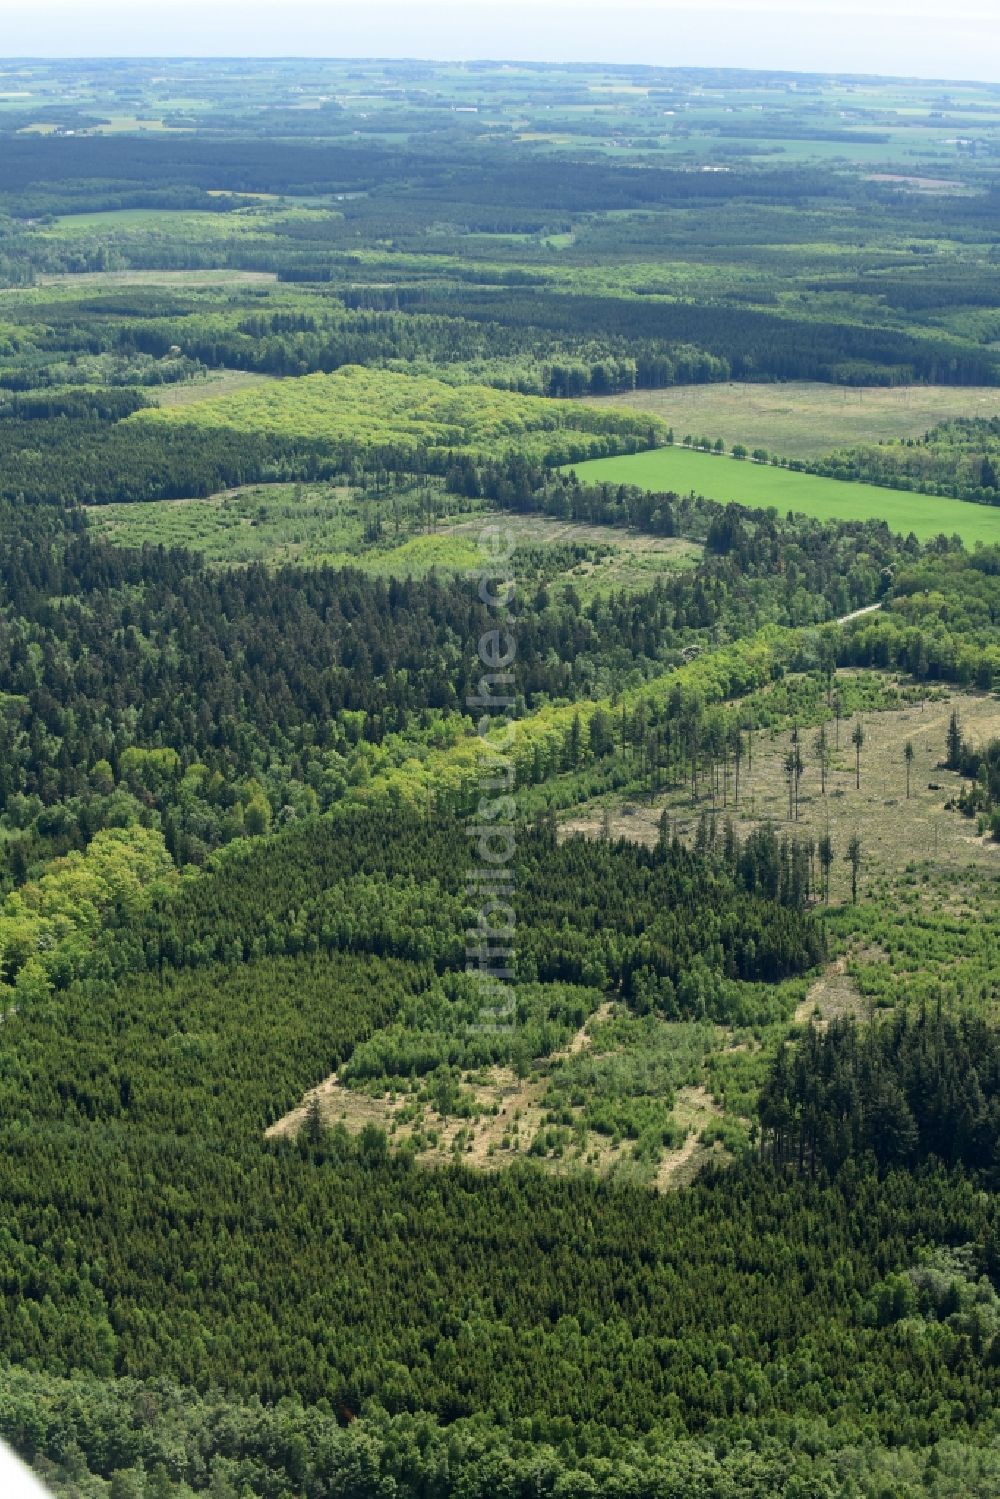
x=857, y=739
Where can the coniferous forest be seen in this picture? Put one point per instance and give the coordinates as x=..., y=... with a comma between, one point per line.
x=335, y=681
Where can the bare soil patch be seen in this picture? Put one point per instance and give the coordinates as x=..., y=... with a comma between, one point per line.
x=510, y=1096
x=514, y=1111
x=695, y=1109
x=834, y=996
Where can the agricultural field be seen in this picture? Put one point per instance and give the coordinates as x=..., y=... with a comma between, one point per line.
x=706, y=118
x=803, y=419
x=719, y=477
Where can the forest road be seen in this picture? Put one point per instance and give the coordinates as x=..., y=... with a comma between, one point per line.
x=845, y=619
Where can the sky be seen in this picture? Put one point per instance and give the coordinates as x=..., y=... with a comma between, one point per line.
x=924, y=38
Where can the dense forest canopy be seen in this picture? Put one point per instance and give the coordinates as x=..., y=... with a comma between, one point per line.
x=297, y=363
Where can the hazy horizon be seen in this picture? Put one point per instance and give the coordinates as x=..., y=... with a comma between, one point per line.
x=894, y=38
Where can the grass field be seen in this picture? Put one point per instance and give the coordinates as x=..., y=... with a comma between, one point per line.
x=805, y=419
x=217, y=383
x=110, y=220
x=186, y=279
x=759, y=485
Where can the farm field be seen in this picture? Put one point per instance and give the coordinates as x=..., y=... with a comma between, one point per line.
x=807, y=419
x=719, y=477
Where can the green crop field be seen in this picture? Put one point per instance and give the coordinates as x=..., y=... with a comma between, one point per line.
x=760, y=485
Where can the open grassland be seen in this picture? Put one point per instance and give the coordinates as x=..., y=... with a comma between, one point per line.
x=719, y=477
x=182, y=221
x=216, y=383
x=805, y=419
x=85, y=280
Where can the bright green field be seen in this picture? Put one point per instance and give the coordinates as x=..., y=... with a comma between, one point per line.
x=139, y=218
x=758, y=485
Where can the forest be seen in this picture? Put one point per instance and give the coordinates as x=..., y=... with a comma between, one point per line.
x=301, y=362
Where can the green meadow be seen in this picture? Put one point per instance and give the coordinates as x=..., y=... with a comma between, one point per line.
x=718, y=477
